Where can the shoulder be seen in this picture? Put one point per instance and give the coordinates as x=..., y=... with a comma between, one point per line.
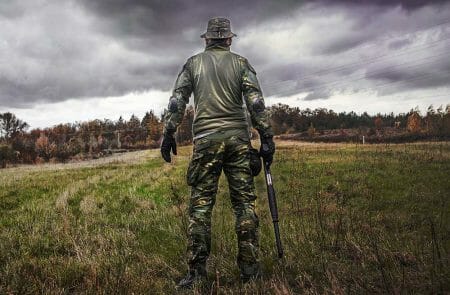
x=197, y=56
x=193, y=60
x=189, y=62
x=245, y=64
x=238, y=57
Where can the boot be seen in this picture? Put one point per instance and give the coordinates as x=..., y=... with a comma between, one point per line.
x=192, y=277
x=250, y=272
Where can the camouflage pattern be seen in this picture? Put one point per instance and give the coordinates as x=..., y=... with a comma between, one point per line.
x=227, y=150
x=225, y=88
x=218, y=28
x=218, y=79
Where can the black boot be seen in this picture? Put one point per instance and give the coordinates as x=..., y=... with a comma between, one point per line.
x=192, y=277
x=250, y=272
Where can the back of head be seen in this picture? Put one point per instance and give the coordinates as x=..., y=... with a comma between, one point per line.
x=225, y=42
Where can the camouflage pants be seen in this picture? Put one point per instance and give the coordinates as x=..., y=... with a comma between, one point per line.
x=227, y=150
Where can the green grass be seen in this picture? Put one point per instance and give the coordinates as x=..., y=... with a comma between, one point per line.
x=354, y=219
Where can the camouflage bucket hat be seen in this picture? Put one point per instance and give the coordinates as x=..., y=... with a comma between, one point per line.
x=218, y=28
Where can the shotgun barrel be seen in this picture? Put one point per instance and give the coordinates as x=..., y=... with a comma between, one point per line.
x=273, y=207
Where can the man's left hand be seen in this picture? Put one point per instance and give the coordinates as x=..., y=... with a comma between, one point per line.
x=168, y=144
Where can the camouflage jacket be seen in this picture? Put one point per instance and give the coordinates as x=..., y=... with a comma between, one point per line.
x=219, y=80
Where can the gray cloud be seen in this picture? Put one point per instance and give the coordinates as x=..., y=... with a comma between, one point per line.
x=342, y=59
x=406, y=4
x=399, y=43
x=55, y=50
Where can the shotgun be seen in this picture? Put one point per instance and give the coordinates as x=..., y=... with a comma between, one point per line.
x=273, y=207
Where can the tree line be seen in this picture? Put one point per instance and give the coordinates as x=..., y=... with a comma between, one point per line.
x=75, y=141
x=286, y=119
x=91, y=139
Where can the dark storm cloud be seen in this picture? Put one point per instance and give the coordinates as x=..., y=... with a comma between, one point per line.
x=52, y=51
x=399, y=43
x=140, y=17
x=424, y=73
x=56, y=50
x=406, y=4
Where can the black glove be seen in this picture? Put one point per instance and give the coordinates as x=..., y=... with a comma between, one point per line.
x=267, y=149
x=168, y=143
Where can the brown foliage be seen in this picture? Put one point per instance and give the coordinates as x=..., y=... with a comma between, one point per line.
x=44, y=148
x=378, y=122
x=414, y=123
x=184, y=132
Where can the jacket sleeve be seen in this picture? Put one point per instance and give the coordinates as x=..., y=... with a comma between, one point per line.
x=180, y=97
x=255, y=101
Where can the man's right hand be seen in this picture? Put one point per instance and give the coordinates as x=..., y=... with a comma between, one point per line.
x=267, y=149
x=168, y=143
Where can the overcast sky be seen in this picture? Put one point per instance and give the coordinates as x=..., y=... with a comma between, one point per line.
x=66, y=60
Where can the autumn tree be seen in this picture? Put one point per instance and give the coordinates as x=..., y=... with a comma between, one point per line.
x=184, y=132
x=414, y=123
x=153, y=126
x=378, y=122
x=44, y=148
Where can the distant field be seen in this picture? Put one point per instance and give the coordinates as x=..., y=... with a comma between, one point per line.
x=354, y=219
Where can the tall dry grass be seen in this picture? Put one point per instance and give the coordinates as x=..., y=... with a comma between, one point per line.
x=354, y=219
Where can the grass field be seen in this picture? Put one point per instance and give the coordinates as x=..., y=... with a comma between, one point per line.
x=354, y=219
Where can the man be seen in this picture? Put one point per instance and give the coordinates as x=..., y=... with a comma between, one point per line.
x=221, y=81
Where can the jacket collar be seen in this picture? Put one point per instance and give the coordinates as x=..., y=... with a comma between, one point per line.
x=217, y=47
